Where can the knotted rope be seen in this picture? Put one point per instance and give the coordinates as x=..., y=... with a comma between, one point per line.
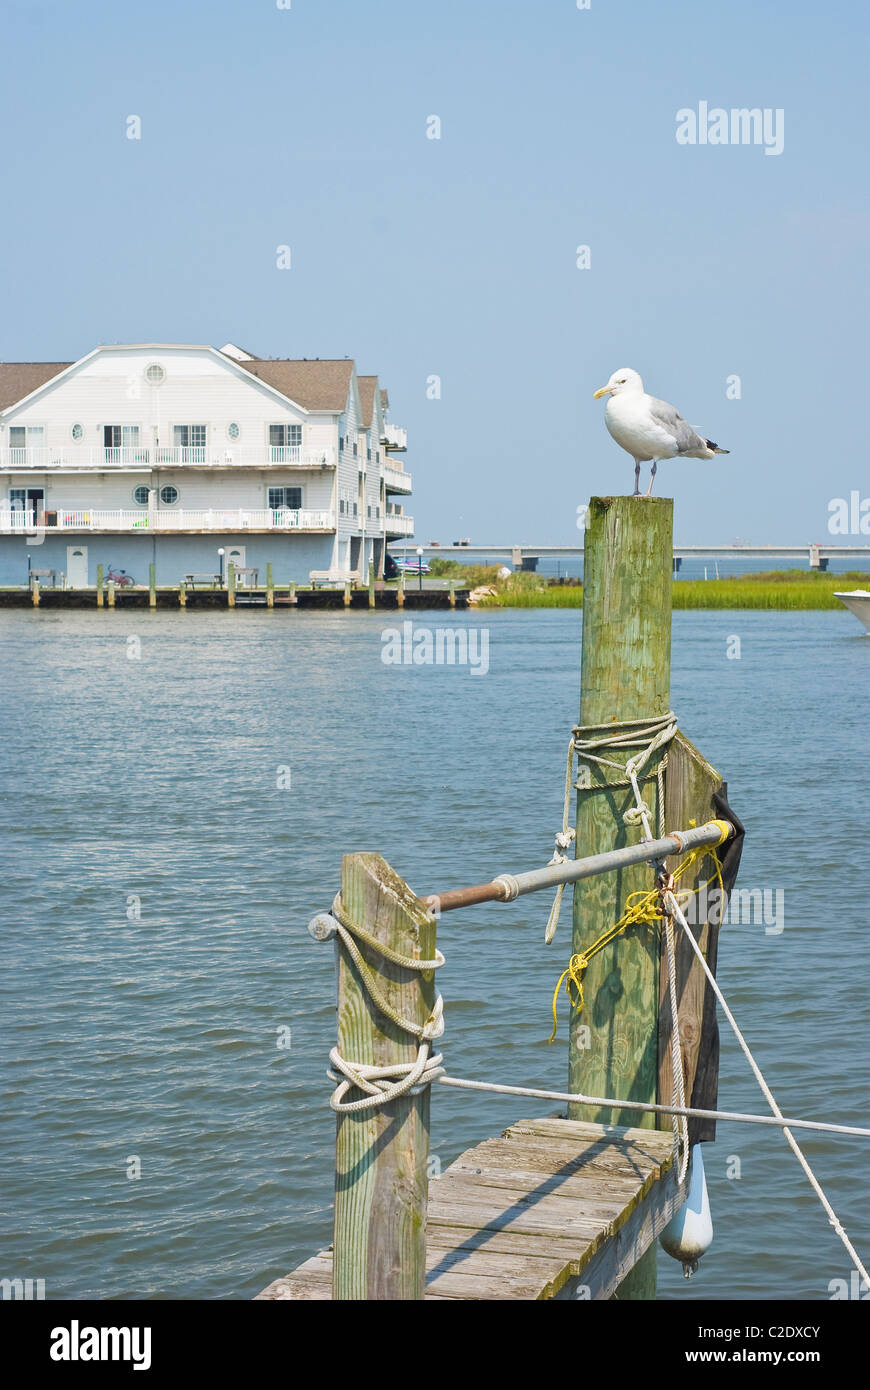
x=588, y=744
x=382, y=1084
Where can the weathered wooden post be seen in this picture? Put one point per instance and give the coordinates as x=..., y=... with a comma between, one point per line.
x=270, y=586
x=347, y=593
x=231, y=584
x=111, y=593
x=400, y=590
x=34, y=591
x=152, y=586
x=381, y=1155
x=292, y=593
x=371, y=583
x=99, y=586
x=182, y=594
x=452, y=593
x=624, y=674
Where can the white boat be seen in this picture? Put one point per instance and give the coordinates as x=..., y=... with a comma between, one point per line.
x=858, y=602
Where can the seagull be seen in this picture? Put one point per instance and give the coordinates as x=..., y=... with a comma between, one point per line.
x=648, y=428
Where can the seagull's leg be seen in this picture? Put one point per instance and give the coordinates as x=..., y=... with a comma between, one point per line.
x=636, y=492
x=651, y=476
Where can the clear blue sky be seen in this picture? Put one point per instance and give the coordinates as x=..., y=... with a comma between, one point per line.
x=307, y=126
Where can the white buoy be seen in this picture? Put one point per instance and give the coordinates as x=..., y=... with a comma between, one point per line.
x=690, y=1233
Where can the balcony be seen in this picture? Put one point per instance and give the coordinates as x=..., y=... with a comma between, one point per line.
x=395, y=439
x=136, y=459
x=397, y=524
x=164, y=520
x=396, y=480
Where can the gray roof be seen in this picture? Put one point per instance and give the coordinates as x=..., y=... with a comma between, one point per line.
x=18, y=379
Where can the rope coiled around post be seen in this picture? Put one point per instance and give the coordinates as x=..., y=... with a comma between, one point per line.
x=383, y=1084
x=589, y=743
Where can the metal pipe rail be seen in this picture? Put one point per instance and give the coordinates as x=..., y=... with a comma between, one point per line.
x=506, y=887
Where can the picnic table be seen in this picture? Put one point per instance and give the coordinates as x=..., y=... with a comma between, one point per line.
x=212, y=581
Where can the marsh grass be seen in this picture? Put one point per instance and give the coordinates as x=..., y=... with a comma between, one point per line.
x=775, y=589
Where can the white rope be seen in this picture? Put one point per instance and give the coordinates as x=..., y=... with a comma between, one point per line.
x=382, y=1084
x=681, y=1124
x=674, y=907
x=588, y=742
x=647, y=1107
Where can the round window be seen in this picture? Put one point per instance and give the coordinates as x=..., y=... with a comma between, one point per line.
x=77, y=432
x=155, y=373
x=169, y=495
x=233, y=431
x=140, y=496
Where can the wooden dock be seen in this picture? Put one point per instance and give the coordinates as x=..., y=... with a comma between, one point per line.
x=553, y=1208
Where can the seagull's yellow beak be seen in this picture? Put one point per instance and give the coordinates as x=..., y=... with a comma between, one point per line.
x=602, y=391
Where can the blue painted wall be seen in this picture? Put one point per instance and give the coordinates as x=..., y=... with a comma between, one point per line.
x=174, y=556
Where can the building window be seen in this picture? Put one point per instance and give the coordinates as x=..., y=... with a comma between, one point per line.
x=22, y=438
x=77, y=432
x=285, y=436
x=188, y=436
x=119, y=440
x=369, y=511
x=140, y=496
x=155, y=373
x=169, y=495
x=233, y=431
x=355, y=509
x=285, y=497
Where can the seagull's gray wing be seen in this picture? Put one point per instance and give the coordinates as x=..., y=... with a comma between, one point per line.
x=670, y=419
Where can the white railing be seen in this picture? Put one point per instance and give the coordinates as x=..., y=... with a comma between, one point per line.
x=397, y=480
x=397, y=524
x=166, y=519
x=138, y=457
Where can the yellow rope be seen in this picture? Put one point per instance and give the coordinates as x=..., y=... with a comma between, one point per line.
x=643, y=912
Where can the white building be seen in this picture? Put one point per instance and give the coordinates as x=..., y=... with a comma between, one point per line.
x=167, y=454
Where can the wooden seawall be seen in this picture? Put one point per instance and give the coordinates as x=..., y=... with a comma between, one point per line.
x=165, y=598
x=553, y=1208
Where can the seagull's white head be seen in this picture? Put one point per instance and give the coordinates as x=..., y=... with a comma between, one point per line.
x=622, y=380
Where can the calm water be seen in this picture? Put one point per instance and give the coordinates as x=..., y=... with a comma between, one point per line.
x=154, y=781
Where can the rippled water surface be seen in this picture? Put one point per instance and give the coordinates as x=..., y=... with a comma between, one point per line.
x=159, y=881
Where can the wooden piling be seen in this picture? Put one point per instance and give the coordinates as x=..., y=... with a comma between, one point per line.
x=270, y=587
x=111, y=593
x=371, y=583
x=152, y=586
x=347, y=593
x=381, y=1155
x=452, y=593
x=182, y=594
x=625, y=674
x=231, y=584
x=34, y=591
x=400, y=590
x=99, y=586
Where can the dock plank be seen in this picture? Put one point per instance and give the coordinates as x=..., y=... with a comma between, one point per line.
x=551, y=1209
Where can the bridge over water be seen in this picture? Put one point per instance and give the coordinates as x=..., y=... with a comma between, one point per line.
x=814, y=555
